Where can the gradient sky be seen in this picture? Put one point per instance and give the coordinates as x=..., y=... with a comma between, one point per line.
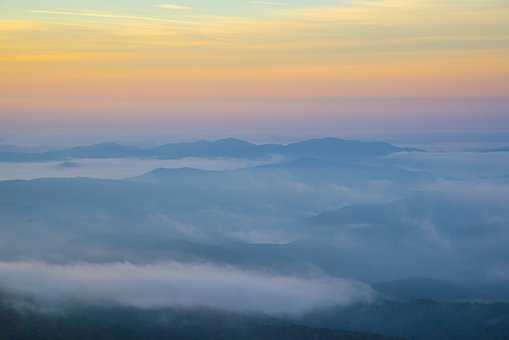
x=255, y=63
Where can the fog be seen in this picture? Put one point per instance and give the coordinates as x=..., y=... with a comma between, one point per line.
x=116, y=168
x=454, y=164
x=283, y=235
x=180, y=285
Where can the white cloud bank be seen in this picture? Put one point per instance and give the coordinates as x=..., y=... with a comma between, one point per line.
x=180, y=285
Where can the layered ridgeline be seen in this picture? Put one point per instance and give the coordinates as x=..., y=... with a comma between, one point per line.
x=317, y=244
x=254, y=216
x=370, y=222
x=231, y=148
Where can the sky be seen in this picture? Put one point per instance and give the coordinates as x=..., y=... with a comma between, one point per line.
x=229, y=67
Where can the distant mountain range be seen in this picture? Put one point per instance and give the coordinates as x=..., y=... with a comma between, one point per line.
x=325, y=148
x=309, y=170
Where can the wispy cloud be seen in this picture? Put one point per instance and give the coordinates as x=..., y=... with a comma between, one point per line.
x=106, y=15
x=175, y=7
x=349, y=48
x=268, y=3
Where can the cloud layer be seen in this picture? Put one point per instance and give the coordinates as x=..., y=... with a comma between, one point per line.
x=175, y=284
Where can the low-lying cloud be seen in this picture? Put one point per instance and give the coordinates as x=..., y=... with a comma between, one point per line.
x=180, y=285
x=118, y=168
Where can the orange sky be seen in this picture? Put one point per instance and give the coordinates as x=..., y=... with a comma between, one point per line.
x=121, y=59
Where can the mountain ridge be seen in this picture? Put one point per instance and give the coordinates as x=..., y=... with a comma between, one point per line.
x=324, y=148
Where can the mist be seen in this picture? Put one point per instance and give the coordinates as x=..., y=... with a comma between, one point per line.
x=115, y=168
x=324, y=232
x=180, y=285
